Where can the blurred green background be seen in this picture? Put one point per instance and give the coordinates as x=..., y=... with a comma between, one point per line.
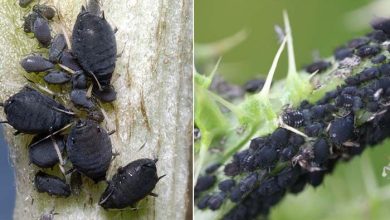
x=356, y=190
x=316, y=25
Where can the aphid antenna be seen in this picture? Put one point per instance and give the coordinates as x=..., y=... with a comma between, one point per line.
x=3, y=122
x=160, y=177
x=57, y=149
x=111, y=132
x=53, y=133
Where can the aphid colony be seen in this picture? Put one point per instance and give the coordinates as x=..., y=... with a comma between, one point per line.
x=336, y=127
x=88, y=67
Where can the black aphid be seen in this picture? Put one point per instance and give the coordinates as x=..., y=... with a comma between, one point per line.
x=231, y=169
x=368, y=73
x=216, y=200
x=316, y=178
x=89, y=149
x=267, y=157
x=378, y=59
x=342, y=129
x=318, y=66
x=280, y=137
x=318, y=111
x=269, y=187
x=42, y=31
x=202, y=204
x=367, y=51
x=352, y=80
x=342, y=53
x=257, y=143
x=28, y=25
x=24, y=3
x=204, y=183
x=79, y=98
x=288, y=153
x=293, y=118
x=107, y=94
x=248, y=182
x=36, y=63
x=212, y=168
x=45, y=11
x=43, y=154
x=68, y=60
x=57, y=46
x=29, y=111
x=377, y=36
x=299, y=184
x=296, y=140
x=287, y=177
x=254, y=85
x=344, y=100
x=321, y=151
x=313, y=130
x=226, y=185
x=385, y=69
x=94, y=46
x=236, y=194
x=79, y=81
x=130, y=184
x=51, y=185
x=358, y=42
x=57, y=77
x=382, y=24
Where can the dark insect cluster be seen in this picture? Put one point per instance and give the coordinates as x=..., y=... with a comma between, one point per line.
x=71, y=137
x=329, y=130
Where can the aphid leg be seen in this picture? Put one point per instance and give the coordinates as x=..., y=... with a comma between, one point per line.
x=70, y=171
x=17, y=133
x=2, y=104
x=111, y=132
x=153, y=194
x=160, y=177
x=96, y=80
x=3, y=122
x=114, y=155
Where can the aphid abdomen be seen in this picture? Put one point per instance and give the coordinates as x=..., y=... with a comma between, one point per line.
x=89, y=149
x=94, y=46
x=31, y=112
